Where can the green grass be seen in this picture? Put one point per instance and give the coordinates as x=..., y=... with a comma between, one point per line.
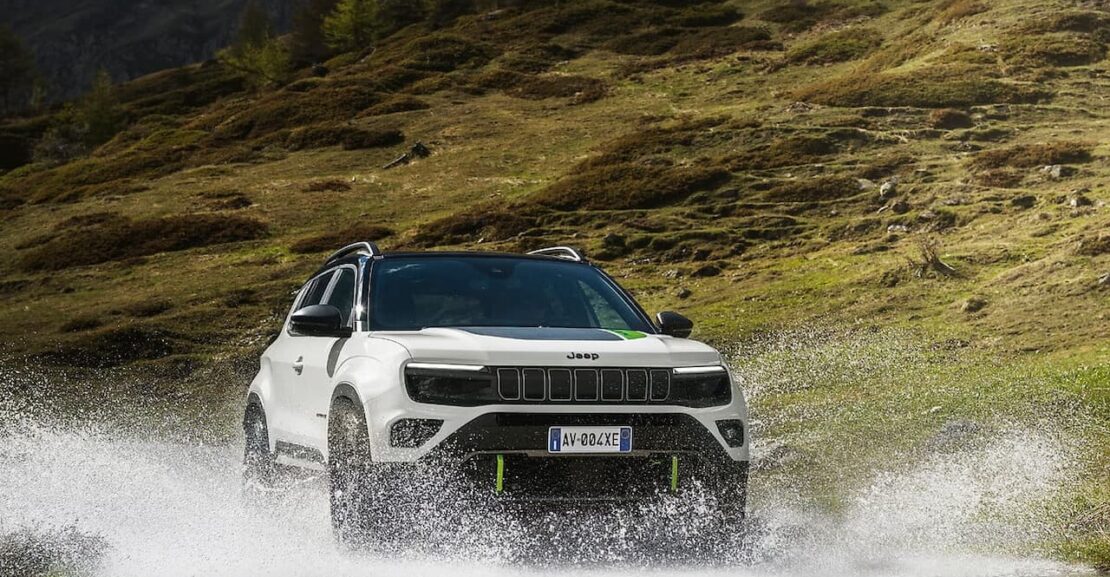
x=693, y=144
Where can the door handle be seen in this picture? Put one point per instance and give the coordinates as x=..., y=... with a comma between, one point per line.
x=298, y=365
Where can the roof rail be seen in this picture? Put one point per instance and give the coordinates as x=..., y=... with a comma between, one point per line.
x=564, y=252
x=367, y=248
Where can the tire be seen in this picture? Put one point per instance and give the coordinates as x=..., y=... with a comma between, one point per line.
x=732, y=493
x=355, y=497
x=259, y=470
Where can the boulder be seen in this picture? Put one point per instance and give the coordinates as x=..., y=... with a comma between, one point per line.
x=973, y=305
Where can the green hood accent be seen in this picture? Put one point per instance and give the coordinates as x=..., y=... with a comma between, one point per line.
x=628, y=335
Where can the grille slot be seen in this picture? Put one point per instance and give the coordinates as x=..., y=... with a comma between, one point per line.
x=508, y=384
x=565, y=385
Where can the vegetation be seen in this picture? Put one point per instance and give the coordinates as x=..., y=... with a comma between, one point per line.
x=256, y=52
x=761, y=189
x=17, y=71
x=839, y=46
x=121, y=238
x=928, y=88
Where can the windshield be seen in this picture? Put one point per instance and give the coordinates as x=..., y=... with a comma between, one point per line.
x=411, y=293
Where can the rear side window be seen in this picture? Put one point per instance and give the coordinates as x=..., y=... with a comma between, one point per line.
x=343, y=295
x=316, y=289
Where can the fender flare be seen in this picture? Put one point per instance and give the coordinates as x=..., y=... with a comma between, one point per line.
x=347, y=391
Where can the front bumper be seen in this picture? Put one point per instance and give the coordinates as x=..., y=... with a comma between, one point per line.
x=506, y=453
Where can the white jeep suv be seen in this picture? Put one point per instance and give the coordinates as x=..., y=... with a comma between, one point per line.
x=524, y=378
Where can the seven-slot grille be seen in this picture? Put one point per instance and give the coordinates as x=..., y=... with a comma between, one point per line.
x=571, y=385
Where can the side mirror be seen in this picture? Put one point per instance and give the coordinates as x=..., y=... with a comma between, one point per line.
x=320, y=321
x=674, y=324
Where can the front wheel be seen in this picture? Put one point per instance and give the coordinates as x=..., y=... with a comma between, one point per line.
x=259, y=472
x=357, y=497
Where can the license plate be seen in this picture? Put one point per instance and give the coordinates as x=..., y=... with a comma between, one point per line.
x=589, y=440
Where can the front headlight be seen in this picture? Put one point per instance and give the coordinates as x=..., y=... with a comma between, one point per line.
x=700, y=387
x=443, y=384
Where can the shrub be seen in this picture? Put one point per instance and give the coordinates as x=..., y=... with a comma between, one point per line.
x=334, y=239
x=400, y=103
x=351, y=137
x=1033, y=155
x=332, y=185
x=491, y=221
x=582, y=88
x=928, y=88
x=652, y=141
x=441, y=52
x=651, y=42
x=814, y=189
x=628, y=185
x=115, y=347
x=362, y=139
x=536, y=59
x=999, y=177
x=796, y=16
x=787, y=151
x=1094, y=245
x=716, y=42
x=704, y=15
x=948, y=119
x=121, y=239
x=839, y=46
x=81, y=324
x=1053, y=50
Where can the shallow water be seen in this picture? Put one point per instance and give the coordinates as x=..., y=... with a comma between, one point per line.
x=110, y=498
x=167, y=508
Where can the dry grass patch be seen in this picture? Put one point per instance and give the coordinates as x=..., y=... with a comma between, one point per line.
x=814, y=189
x=490, y=221
x=628, y=185
x=839, y=46
x=1053, y=50
x=943, y=87
x=795, y=16
x=335, y=239
x=125, y=238
x=583, y=89
x=949, y=119
x=399, y=103
x=953, y=11
x=1033, y=155
x=351, y=137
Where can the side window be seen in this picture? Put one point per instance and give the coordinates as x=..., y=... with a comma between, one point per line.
x=315, y=293
x=343, y=295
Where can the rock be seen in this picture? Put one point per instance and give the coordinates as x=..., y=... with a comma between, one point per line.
x=706, y=270
x=1024, y=201
x=865, y=184
x=683, y=293
x=701, y=254
x=888, y=189
x=672, y=273
x=927, y=215
x=1079, y=200
x=900, y=207
x=1104, y=280
x=897, y=228
x=612, y=240
x=973, y=305
x=1058, y=170
x=319, y=70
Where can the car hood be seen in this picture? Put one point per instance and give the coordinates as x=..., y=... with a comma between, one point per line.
x=514, y=346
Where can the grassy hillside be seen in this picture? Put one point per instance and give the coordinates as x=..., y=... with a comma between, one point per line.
x=941, y=167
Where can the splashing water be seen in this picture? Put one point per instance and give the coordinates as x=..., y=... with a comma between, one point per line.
x=171, y=507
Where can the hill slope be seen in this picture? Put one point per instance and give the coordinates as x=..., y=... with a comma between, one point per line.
x=758, y=165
